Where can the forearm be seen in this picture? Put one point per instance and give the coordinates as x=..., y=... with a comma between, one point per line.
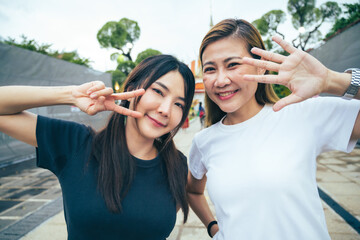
x=15, y=99
x=201, y=207
x=338, y=83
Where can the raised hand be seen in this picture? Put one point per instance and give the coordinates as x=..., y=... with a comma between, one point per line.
x=303, y=74
x=94, y=97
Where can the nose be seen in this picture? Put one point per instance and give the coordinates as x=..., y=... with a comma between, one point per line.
x=222, y=80
x=165, y=108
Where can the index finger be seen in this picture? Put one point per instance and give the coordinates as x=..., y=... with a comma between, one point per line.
x=284, y=44
x=127, y=95
x=127, y=112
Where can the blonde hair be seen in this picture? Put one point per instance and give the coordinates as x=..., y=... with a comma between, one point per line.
x=243, y=30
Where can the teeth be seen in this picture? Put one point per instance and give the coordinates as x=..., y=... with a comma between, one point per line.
x=226, y=94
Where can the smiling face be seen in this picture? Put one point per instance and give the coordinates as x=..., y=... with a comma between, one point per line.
x=223, y=76
x=162, y=105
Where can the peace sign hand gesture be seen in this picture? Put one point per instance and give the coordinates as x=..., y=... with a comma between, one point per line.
x=94, y=97
x=303, y=74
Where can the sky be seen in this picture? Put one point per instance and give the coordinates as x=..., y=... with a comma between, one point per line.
x=171, y=26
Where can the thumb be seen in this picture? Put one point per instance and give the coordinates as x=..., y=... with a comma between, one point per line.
x=292, y=98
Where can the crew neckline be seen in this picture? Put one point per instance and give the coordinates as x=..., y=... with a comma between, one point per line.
x=147, y=163
x=259, y=116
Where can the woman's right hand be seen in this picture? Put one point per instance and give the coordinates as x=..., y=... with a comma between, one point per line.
x=94, y=97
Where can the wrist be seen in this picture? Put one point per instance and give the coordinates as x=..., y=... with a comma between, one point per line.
x=65, y=95
x=337, y=83
x=211, y=228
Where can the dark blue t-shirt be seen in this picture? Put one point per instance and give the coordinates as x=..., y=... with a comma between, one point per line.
x=149, y=210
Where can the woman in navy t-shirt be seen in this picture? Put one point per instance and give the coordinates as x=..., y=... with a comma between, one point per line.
x=128, y=180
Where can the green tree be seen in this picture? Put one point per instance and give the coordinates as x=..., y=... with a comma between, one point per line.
x=120, y=35
x=145, y=54
x=304, y=16
x=351, y=15
x=32, y=45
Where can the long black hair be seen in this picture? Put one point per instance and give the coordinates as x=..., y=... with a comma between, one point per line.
x=116, y=165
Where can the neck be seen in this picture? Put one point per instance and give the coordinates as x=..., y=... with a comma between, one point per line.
x=244, y=113
x=140, y=147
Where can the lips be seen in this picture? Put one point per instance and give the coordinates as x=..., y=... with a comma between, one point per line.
x=155, y=122
x=226, y=95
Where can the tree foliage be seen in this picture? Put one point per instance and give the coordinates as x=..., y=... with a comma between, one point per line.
x=120, y=35
x=305, y=15
x=351, y=15
x=32, y=45
x=145, y=54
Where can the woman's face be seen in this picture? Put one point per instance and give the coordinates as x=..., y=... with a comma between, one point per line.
x=223, y=75
x=162, y=106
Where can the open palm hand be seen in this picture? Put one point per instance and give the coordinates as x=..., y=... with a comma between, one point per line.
x=303, y=74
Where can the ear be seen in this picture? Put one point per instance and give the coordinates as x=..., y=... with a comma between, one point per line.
x=261, y=71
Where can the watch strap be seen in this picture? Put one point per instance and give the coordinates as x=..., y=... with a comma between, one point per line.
x=355, y=83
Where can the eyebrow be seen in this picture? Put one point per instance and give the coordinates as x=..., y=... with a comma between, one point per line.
x=167, y=89
x=225, y=61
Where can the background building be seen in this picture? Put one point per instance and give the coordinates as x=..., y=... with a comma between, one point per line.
x=23, y=67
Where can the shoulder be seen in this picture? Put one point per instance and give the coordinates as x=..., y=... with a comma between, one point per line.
x=62, y=125
x=206, y=132
x=317, y=105
x=182, y=157
x=58, y=130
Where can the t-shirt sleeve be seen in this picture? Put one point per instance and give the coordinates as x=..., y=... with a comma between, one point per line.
x=196, y=164
x=185, y=165
x=58, y=141
x=335, y=118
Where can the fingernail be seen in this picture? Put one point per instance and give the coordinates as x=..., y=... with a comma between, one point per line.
x=93, y=95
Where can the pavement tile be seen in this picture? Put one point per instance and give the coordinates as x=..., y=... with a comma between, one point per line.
x=175, y=234
x=5, y=222
x=350, y=202
x=49, y=194
x=7, y=204
x=192, y=233
x=331, y=161
x=55, y=227
x=26, y=193
x=23, y=182
x=344, y=167
x=335, y=224
x=4, y=192
x=48, y=182
x=344, y=236
x=329, y=176
x=351, y=159
x=23, y=209
x=346, y=188
x=354, y=176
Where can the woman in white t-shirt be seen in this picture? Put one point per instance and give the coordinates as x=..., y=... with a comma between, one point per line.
x=258, y=158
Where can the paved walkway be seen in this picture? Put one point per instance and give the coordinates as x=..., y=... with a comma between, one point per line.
x=30, y=195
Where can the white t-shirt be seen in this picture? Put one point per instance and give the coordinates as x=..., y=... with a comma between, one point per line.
x=261, y=173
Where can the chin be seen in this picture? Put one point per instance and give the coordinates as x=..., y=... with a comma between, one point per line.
x=228, y=108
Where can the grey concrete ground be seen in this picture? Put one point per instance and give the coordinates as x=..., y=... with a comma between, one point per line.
x=30, y=195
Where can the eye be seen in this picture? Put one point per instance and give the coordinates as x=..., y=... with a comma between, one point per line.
x=180, y=106
x=209, y=69
x=233, y=64
x=158, y=91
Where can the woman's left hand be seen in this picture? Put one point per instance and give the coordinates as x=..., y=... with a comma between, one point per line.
x=303, y=74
